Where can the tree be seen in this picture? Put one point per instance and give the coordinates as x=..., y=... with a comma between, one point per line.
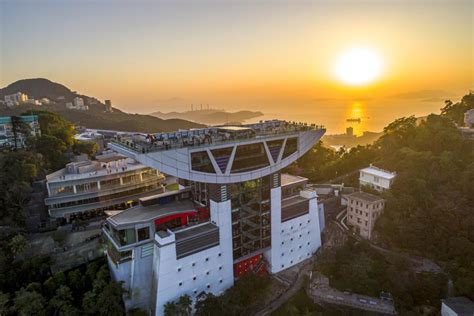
x=18, y=244
x=4, y=301
x=29, y=303
x=85, y=147
x=61, y=303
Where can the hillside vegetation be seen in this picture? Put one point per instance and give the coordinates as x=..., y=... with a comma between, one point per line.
x=430, y=209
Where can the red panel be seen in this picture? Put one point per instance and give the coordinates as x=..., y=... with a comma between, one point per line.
x=244, y=266
x=183, y=216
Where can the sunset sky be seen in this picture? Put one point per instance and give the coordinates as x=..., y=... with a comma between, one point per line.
x=275, y=56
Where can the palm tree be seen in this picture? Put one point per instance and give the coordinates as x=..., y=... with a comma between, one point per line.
x=18, y=244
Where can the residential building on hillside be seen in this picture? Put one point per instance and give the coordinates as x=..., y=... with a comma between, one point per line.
x=15, y=99
x=457, y=306
x=234, y=212
x=377, y=178
x=469, y=118
x=86, y=189
x=19, y=125
x=363, y=209
x=77, y=104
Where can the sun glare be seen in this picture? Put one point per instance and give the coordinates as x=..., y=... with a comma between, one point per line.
x=358, y=66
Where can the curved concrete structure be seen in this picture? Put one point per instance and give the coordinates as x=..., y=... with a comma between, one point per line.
x=178, y=161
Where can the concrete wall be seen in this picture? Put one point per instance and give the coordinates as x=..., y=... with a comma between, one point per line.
x=294, y=240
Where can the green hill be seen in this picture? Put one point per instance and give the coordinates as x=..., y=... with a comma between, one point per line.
x=95, y=117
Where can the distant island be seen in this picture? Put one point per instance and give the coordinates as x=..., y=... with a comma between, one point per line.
x=82, y=110
x=210, y=116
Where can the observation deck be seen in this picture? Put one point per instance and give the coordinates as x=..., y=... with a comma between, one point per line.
x=222, y=154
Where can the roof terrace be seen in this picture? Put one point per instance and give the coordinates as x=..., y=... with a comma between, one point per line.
x=215, y=135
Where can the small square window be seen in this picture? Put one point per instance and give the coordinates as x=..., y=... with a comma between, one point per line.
x=195, y=291
x=208, y=286
x=193, y=264
x=282, y=265
x=282, y=254
x=143, y=233
x=220, y=254
x=207, y=272
x=220, y=267
x=207, y=259
x=180, y=283
x=194, y=278
x=179, y=269
x=220, y=281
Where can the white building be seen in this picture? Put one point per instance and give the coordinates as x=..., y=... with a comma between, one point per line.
x=457, y=306
x=376, y=178
x=15, y=99
x=469, y=118
x=234, y=212
x=77, y=104
x=363, y=209
x=86, y=189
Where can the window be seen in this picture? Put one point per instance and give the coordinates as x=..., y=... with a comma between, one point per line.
x=220, y=254
x=220, y=267
x=220, y=281
x=207, y=272
x=208, y=286
x=290, y=147
x=282, y=254
x=200, y=162
x=222, y=156
x=179, y=269
x=207, y=259
x=193, y=264
x=143, y=233
x=249, y=157
x=194, y=278
x=180, y=283
x=125, y=236
x=275, y=147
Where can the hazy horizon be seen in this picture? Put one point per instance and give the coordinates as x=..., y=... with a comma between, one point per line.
x=269, y=56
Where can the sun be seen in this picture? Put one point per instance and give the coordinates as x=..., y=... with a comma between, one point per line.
x=358, y=66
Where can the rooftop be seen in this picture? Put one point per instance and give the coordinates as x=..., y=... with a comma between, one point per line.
x=379, y=172
x=143, y=214
x=288, y=179
x=212, y=135
x=364, y=196
x=461, y=305
x=102, y=166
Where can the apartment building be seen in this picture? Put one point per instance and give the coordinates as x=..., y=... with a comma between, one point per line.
x=87, y=188
x=234, y=212
x=376, y=178
x=363, y=209
x=15, y=99
x=19, y=125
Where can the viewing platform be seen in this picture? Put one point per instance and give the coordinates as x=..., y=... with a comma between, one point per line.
x=222, y=154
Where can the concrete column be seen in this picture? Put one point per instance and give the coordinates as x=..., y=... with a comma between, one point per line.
x=98, y=185
x=74, y=189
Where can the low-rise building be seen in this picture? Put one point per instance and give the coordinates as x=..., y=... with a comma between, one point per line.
x=457, y=306
x=469, y=118
x=15, y=99
x=363, y=209
x=376, y=178
x=19, y=125
x=77, y=104
x=86, y=189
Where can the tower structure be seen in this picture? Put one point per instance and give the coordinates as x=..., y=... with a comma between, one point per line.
x=231, y=211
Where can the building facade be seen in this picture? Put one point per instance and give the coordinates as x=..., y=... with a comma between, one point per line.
x=13, y=129
x=363, y=209
x=15, y=99
x=86, y=189
x=233, y=212
x=376, y=178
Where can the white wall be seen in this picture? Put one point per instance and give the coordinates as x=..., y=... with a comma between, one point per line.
x=368, y=179
x=294, y=240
